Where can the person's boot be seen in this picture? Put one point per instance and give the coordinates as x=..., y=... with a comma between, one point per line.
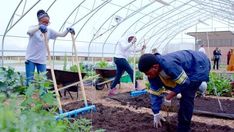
x=112, y=92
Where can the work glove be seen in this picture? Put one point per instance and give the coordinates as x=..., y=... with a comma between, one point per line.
x=157, y=120
x=71, y=30
x=143, y=47
x=167, y=102
x=202, y=88
x=178, y=96
x=43, y=28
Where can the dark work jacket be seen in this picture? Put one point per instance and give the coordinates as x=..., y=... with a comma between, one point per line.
x=216, y=54
x=178, y=70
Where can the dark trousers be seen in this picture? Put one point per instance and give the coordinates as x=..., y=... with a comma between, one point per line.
x=186, y=107
x=216, y=62
x=122, y=66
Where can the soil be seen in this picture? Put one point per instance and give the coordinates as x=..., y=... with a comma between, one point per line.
x=123, y=113
x=115, y=119
x=200, y=103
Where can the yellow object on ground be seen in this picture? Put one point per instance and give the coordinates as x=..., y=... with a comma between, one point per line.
x=230, y=67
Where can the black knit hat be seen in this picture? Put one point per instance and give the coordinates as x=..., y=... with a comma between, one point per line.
x=146, y=61
x=41, y=14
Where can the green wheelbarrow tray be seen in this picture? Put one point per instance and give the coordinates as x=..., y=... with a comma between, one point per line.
x=125, y=78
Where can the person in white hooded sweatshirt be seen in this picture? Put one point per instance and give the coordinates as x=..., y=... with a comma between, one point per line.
x=125, y=47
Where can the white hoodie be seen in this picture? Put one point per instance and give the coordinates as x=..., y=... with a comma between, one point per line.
x=124, y=49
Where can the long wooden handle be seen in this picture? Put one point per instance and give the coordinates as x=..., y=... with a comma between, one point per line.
x=134, y=68
x=52, y=73
x=79, y=71
x=76, y=83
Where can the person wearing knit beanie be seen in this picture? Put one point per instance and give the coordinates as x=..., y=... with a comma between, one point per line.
x=41, y=14
x=36, y=49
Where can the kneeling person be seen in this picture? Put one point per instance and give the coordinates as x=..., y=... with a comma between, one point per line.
x=180, y=72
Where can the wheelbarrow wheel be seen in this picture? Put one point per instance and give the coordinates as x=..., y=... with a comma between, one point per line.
x=97, y=85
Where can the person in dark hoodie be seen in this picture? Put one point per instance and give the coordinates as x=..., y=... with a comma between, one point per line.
x=36, y=49
x=216, y=55
x=180, y=72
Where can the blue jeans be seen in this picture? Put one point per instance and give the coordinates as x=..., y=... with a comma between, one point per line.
x=122, y=66
x=30, y=68
x=186, y=107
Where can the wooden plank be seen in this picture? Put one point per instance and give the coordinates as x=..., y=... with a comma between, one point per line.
x=109, y=80
x=76, y=83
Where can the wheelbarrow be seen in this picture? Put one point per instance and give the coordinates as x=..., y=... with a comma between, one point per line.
x=65, y=78
x=106, y=76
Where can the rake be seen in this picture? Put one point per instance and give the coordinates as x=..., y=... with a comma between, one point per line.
x=136, y=92
x=87, y=108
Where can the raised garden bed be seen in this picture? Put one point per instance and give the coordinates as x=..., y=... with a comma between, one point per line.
x=203, y=105
x=115, y=119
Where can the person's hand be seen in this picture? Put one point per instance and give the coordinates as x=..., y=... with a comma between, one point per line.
x=71, y=30
x=167, y=102
x=178, y=96
x=143, y=47
x=157, y=120
x=202, y=88
x=43, y=28
x=133, y=40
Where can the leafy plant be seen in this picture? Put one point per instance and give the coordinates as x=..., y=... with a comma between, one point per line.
x=38, y=95
x=102, y=64
x=90, y=73
x=12, y=119
x=81, y=125
x=147, y=84
x=219, y=85
x=26, y=113
x=10, y=81
x=74, y=68
x=139, y=75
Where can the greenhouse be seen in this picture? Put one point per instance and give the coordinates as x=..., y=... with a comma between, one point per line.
x=117, y=65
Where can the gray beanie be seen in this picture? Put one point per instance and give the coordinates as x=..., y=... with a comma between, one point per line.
x=41, y=14
x=146, y=61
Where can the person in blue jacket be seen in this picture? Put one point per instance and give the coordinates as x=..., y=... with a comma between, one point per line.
x=180, y=72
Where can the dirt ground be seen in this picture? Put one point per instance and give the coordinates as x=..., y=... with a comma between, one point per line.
x=119, y=116
x=208, y=104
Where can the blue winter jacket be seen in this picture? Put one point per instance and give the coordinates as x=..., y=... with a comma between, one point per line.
x=178, y=70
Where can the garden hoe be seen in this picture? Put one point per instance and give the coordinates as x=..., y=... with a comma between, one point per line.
x=73, y=112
